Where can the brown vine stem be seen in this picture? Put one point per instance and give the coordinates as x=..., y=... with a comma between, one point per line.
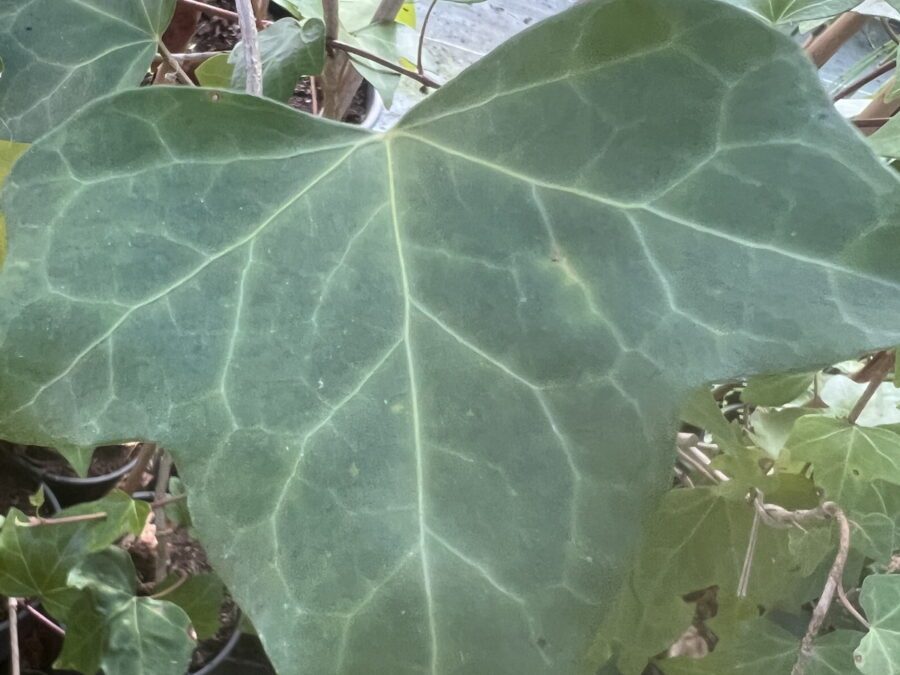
x=252, y=57
x=419, y=66
x=169, y=499
x=422, y=79
x=12, y=609
x=212, y=10
x=182, y=76
x=882, y=363
x=826, y=43
x=865, y=79
x=831, y=585
x=159, y=516
x=182, y=578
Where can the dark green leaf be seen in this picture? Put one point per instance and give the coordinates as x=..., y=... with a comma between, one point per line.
x=35, y=561
x=113, y=630
x=773, y=390
x=288, y=50
x=201, y=598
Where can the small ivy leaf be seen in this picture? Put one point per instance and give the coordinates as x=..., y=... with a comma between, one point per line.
x=879, y=651
x=59, y=55
x=761, y=647
x=37, y=499
x=701, y=410
x=777, y=389
x=112, y=630
x=215, y=72
x=200, y=596
x=35, y=561
x=696, y=539
x=288, y=49
x=771, y=428
x=789, y=11
x=844, y=455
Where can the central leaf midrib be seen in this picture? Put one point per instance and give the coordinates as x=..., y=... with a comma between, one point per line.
x=414, y=403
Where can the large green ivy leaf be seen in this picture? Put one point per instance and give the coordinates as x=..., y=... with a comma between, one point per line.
x=59, y=55
x=422, y=385
x=35, y=561
x=879, y=651
x=114, y=631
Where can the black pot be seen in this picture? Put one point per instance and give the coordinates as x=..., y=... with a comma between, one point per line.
x=214, y=665
x=71, y=490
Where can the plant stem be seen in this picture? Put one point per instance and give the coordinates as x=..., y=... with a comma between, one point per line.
x=881, y=364
x=174, y=65
x=422, y=37
x=159, y=516
x=212, y=10
x=831, y=585
x=252, y=58
x=44, y=620
x=313, y=96
x=845, y=601
x=163, y=593
x=826, y=44
x=189, y=57
x=744, y=581
x=12, y=609
x=865, y=79
x=37, y=521
x=422, y=79
x=135, y=477
x=168, y=499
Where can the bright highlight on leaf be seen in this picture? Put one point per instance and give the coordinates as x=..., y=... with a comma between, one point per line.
x=422, y=385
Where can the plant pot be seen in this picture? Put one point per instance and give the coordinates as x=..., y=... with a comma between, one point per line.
x=71, y=490
x=374, y=107
x=212, y=666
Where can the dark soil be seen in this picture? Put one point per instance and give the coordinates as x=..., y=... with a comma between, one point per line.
x=215, y=34
x=16, y=486
x=106, y=459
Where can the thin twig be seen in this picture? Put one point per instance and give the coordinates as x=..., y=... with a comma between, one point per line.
x=845, y=601
x=865, y=79
x=37, y=521
x=44, y=620
x=744, y=581
x=12, y=609
x=182, y=577
x=422, y=37
x=422, y=79
x=883, y=363
x=698, y=465
x=252, y=58
x=173, y=64
x=187, y=57
x=831, y=585
x=219, y=11
x=159, y=516
x=168, y=499
x=313, y=96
